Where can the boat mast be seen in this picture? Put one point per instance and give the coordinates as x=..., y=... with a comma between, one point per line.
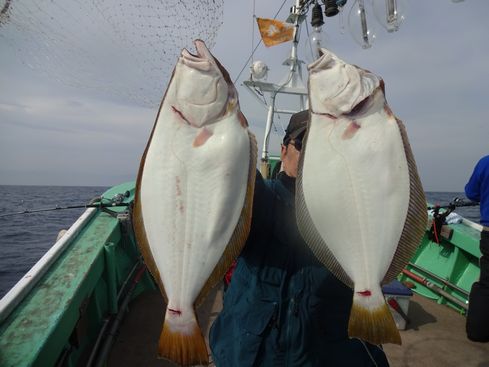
x=292, y=85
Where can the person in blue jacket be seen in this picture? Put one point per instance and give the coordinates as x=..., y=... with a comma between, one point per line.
x=282, y=306
x=477, y=189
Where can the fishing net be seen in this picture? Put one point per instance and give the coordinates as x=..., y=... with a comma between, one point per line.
x=125, y=49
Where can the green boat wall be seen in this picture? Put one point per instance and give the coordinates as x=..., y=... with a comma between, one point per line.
x=61, y=318
x=454, y=261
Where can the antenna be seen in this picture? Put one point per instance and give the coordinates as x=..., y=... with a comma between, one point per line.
x=292, y=83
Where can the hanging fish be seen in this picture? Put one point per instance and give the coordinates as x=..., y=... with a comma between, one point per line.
x=194, y=191
x=361, y=206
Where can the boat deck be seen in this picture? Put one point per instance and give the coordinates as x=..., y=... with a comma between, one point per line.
x=435, y=337
x=137, y=341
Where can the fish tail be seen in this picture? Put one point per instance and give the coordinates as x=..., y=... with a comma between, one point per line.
x=181, y=341
x=371, y=319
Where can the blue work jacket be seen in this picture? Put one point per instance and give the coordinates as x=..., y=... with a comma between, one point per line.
x=477, y=189
x=283, y=307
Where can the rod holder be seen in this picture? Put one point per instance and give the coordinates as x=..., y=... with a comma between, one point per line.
x=110, y=267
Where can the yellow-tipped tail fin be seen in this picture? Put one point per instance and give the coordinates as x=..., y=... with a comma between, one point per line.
x=181, y=341
x=372, y=323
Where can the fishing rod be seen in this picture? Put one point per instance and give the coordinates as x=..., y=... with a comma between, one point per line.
x=436, y=289
x=97, y=202
x=455, y=203
x=439, y=218
x=440, y=279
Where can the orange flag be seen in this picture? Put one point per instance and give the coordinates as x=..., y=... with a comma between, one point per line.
x=274, y=31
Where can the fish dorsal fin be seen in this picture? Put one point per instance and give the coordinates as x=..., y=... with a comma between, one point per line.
x=137, y=215
x=241, y=231
x=416, y=218
x=309, y=231
x=142, y=240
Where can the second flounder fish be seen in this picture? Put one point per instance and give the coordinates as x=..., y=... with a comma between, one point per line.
x=361, y=206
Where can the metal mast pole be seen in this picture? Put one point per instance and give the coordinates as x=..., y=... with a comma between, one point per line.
x=293, y=84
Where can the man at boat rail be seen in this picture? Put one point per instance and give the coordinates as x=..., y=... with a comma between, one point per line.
x=283, y=307
x=477, y=189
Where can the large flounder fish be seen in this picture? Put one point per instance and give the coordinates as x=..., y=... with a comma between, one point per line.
x=361, y=206
x=194, y=195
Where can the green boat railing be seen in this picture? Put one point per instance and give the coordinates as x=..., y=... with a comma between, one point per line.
x=77, y=297
x=445, y=271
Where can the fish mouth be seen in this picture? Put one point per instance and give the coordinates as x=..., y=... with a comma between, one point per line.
x=202, y=92
x=337, y=82
x=339, y=88
x=202, y=60
x=325, y=61
x=205, y=72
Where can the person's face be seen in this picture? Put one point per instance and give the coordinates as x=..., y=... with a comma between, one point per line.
x=289, y=155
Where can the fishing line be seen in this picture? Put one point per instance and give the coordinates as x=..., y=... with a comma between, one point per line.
x=34, y=211
x=455, y=203
x=97, y=202
x=273, y=100
x=309, y=43
x=253, y=30
x=259, y=43
x=368, y=352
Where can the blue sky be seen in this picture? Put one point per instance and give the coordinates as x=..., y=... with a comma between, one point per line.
x=434, y=68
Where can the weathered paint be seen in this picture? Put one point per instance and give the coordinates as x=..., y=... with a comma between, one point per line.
x=455, y=260
x=39, y=329
x=111, y=273
x=40, y=316
x=17, y=293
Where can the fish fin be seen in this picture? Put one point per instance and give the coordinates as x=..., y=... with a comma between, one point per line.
x=142, y=242
x=308, y=230
x=372, y=321
x=416, y=218
x=138, y=226
x=183, y=344
x=202, y=137
x=241, y=231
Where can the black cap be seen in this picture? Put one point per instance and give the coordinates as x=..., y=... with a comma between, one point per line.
x=297, y=125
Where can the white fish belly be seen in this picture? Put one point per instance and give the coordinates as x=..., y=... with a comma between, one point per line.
x=191, y=200
x=356, y=189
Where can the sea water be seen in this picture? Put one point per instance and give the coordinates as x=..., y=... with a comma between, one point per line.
x=25, y=238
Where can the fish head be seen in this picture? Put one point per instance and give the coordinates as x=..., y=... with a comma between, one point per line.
x=336, y=87
x=203, y=89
